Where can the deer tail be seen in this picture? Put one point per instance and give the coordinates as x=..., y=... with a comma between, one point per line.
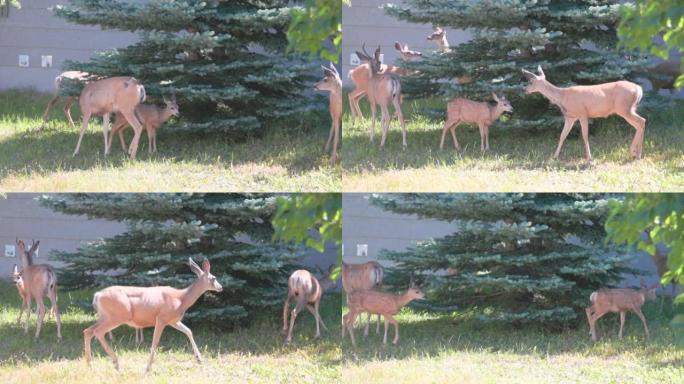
x=592, y=297
x=396, y=88
x=378, y=276
x=639, y=95
x=141, y=93
x=96, y=301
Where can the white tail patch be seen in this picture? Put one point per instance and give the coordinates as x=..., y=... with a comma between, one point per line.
x=592, y=297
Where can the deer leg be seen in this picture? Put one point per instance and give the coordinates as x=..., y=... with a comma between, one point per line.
x=396, y=327
x=639, y=124
x=643, y=320
x=453, y=135
x=293, y=317
x=158, y=329
x=584, y=123
x=181, y=327
x=41, y=317
x=53, y=303
x=21, y=311
x=350, y=325
x=137, y=128
x=447, y=126
x=569, y=122
x=330, y=135
x=384, y=339
x=486, y=137
x=372, y=131
x=67, y=111
x=139, y=336
x=28, y=315
x=385, y=122
x=313, y=312
x=345, y=319
x=594, y=319
x=354, y=99
x=377, y=326
x=105, y=131
x=51, y=104
x=336, y=140
x=286, y=308
x=84, y=127
x=589, y=315
x=150, y=140
x=622, y=322
x=316, y=306
x=400, y=116
x=99, y=330
x=117, y=128
x=482, y=137
x=365, y=330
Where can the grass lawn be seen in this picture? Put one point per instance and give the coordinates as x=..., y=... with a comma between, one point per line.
x=247, y=355
x=32, y=160
x=517, y=161
x=458, y=349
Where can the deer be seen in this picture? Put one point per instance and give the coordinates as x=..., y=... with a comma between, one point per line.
x=332, y=83
x=142, y=307
x=151, y=116
x=36, y=280
x=308, y=290
x=438, y=35
x=381, y=303
x=361, y=75
x=582, y=102
x=113, y=95
x=383, y=89
x=363, y=277
x=659, y=259
x=663, y=75
x=72, y=75
x=619, y=300
x=474, y=112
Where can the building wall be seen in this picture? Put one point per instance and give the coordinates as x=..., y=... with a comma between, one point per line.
x=33, y=30
x=365, y=22
x=364, y=223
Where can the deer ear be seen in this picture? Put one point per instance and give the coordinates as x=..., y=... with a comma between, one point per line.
x=362, y=56
x=194, y=267
x=529, y=75
x=16, y=270
x=333, y=69
x=397, y=46
x=495, y=97
x=377, y=54
x=206, y=267
x=541, y=72
x=34, y=247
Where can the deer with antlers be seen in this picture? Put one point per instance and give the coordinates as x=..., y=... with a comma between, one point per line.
x=380, y=303
x=142, y=307
x=438, y=35
x=619, y=300
x=36, y=281
x=307, y=291
x=363, y=277
x=383, y=89
x=71, y=75
x=473, y=112
x=361, y=76
x=582, y=102
x=332, y=83
x=113, y=95
x=151, y=116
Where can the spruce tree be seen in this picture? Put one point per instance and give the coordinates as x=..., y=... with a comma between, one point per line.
x=573, y=41
x=517, y=258
x=225, y=60
x=233, y=231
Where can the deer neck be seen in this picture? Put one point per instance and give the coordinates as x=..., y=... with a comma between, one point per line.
x=551, y=92
x=190, y=295
x=404, y=299
x=26, y=259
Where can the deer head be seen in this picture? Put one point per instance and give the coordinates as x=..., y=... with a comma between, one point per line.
x=205, y=279
x=331, y=80
x=437, y=33
x=648, y=291
x=406, y=53
x=171, y=106
x=534, y=81
x=16, y=275
x=29, y=254
x=325, y=281
x=373, y=61
x=502, y=103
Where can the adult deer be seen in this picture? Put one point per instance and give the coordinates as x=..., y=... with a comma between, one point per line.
x=582, y=102
x=383, y=89
x=142, y=307
x=151, y=116
x=438, y=35
x=332, y=83
x=308, y=290
x=473, y=112
x=37, y=279
x=363, y=277
x=361, y=76
x=381, y=303
x=71, y=75
x=113, y=95
x=619, y=300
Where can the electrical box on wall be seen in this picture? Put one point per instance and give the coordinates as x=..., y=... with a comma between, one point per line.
x=10, y=250
x=24, y=61
x=354, y=59
x=362, y=250
x=46, y=61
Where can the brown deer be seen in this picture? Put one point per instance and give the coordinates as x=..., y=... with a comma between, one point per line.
x=142, y=307
x=664, y=75
x=381, y=303
x=332, y=83
x=361, y=75
x=113, y=95
x=619, y=300
x=307, y=290
x=582, y=102
x=72, y=75
x=36, y=280
x=363, y=277
x=438, y=35
x=383, y=89
x=473, y=112
x=151, y=116
x=659, y=259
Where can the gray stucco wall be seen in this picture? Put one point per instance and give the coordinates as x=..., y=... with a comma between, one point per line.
x=364, y=223
x=34, y=31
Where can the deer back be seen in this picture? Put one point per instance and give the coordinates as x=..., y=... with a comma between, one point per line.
x=303, y=284
x=361, y=276
x=112, y=95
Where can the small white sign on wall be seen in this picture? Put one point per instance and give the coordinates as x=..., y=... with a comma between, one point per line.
x=354, y=59
x=362, y=250
x=46, y=61
x=10, y=250
x=24, y=61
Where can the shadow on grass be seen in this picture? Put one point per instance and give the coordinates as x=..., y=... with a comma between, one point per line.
x=424, y=335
